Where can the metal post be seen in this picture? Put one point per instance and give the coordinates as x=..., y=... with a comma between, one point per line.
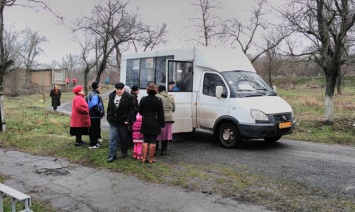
x=1, y=203
x=13, y=204
x=2, y=110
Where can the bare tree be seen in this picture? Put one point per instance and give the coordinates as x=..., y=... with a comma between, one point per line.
x=245, y=33
x=88, y=63
x=325, y=24
x=149, y=37
x=273, y=61
x=208, y=24
x=30, y=49
x=71, y=63
x=12, y=46
x=110, y=20
x=5, y=63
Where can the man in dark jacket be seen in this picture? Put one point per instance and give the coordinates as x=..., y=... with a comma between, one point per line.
x=97, y=111
x=120, y=111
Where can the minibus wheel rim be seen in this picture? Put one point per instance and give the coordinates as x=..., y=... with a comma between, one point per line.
x=228, y=135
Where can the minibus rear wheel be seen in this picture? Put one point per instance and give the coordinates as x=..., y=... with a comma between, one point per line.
x=228, y=135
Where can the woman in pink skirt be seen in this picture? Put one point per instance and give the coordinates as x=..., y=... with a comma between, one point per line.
x=166, y=134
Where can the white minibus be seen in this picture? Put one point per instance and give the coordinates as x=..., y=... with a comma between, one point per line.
x=217, y=90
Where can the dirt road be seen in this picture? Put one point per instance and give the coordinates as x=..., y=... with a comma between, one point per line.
x=331, y=167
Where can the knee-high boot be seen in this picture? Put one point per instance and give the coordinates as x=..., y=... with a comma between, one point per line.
x=145, y=152
x=164, y=147
x=151, y=152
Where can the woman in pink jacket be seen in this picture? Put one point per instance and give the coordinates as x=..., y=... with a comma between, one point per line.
x=80, y=118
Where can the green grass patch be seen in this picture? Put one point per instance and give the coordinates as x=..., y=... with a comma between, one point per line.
x=309, y=109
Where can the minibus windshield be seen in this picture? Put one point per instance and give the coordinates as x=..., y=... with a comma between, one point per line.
x=247, y=84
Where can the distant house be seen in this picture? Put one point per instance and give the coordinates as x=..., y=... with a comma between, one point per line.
x=48, y=77
x=40, y=79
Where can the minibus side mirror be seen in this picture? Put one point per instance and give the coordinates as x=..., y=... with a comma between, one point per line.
x=219, y=92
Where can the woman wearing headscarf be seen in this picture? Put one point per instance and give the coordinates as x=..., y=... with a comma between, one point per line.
x=79, y=118
x=169, y=108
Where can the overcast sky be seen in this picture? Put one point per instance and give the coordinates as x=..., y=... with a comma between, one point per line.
x=173, y=12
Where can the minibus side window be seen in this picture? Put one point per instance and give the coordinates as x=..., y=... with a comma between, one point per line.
x=147, y=72
x=181, y=72
x=186, y=78
x=210, y=81
x=144, y=71
x=161, y=69
x=132, y=72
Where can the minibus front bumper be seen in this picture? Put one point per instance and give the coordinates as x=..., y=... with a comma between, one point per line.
x=259, y=130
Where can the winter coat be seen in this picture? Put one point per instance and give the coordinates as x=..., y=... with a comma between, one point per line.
x=168, y=105
x=55, y=97
x=136, y=103
x=79, y=112
x=96, y=105
x=151, y=108
x=123, y=113
x=136, y=127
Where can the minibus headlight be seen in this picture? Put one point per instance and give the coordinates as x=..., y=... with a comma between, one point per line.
x=258, y=115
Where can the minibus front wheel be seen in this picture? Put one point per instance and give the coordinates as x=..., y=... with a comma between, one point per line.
x=228, y=135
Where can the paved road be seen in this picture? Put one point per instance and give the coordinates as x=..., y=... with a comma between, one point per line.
x=74, y=188
x=70, y=187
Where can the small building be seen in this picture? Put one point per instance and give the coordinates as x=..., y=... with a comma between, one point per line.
x=48, y=77
x=16, y=81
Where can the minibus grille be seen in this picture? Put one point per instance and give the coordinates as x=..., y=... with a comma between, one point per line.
x=282, y=118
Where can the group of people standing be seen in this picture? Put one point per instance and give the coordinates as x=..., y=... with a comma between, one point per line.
x=142, y=123
x=86, y=115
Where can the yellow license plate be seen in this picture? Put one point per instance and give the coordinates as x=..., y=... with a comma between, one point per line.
x=285, y=125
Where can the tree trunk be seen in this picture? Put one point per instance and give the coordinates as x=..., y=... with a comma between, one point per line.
x=86, y=72
x=339, y=85
x=269, y=73
x=2, y=110
x=118, y=61
x=330, y=79
x=3, y=68
x=102, y=68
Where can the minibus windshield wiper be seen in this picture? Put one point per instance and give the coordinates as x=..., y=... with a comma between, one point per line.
x=254, y=95
x=247, y=90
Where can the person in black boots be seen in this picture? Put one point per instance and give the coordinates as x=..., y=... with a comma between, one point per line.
x=97, y=111
x=120, y=111
x=151, y=108
x=79, y=118
x=169, y=108
x=134, y=92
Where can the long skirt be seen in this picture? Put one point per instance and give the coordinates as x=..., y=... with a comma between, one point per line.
x=166, y=132
x=80, y=130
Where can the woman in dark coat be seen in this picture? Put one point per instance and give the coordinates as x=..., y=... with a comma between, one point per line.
x=55, y=94
x=151, y=108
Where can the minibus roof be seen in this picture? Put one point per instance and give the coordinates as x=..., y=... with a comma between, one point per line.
x=219, y=59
